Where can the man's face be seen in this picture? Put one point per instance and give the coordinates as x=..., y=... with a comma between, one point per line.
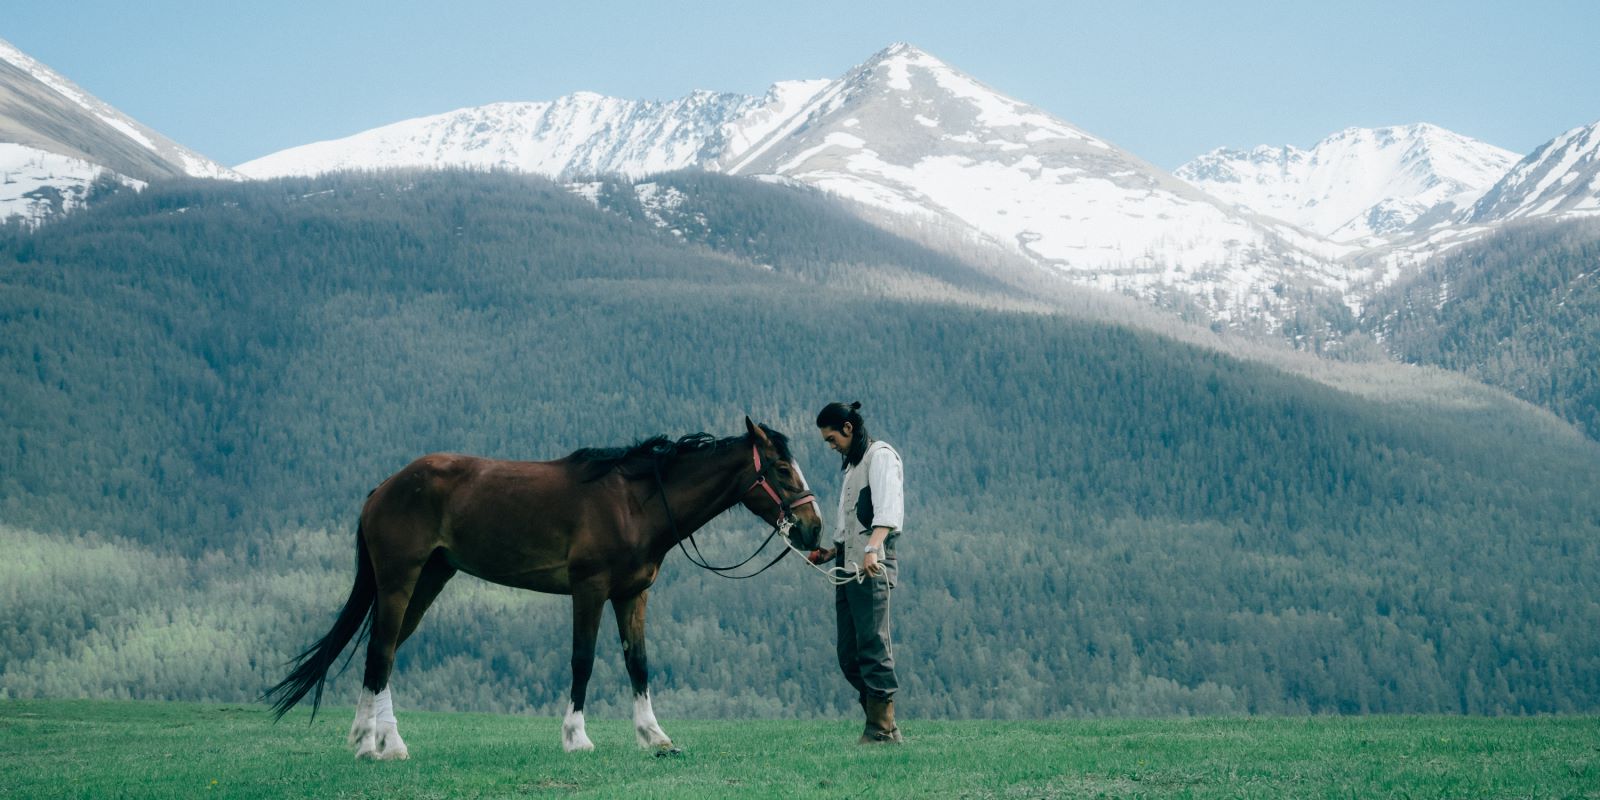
x=837, y=439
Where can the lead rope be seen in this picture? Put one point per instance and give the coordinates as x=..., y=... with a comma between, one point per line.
x=838, y=576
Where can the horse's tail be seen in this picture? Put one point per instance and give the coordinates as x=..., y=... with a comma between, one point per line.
x=354, y=622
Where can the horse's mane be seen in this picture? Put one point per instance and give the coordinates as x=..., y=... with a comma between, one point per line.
x=640, y=459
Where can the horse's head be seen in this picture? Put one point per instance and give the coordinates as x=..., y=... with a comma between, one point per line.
x=780, y=494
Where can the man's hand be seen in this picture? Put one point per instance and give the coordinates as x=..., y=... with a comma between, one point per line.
x=872, y=562
x=821, y=556
x=871, y=565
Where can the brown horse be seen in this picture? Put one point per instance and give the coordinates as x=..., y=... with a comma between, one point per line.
x=595, y=525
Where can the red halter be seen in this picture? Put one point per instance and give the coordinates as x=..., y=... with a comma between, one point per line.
x=761, y=480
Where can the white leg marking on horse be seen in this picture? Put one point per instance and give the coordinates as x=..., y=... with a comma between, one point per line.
x=645, y=725
x=573, y=737
x=384, y=742
x=361, y=728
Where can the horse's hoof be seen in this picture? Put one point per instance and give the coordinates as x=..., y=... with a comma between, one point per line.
x=668, y=752
x=393, y=754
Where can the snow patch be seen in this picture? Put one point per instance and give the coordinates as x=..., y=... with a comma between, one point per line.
x=589, y=191
x=129, y=131
x=36, y=185
x=833, y=140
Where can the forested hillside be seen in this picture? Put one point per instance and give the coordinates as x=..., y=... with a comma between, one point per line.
x=797, y=229
x=1519, y=310
x=211, y=377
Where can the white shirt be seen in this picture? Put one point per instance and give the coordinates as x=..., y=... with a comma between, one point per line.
x=880, y=469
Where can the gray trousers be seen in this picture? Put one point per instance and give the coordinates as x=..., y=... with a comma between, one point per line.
x=865, y=653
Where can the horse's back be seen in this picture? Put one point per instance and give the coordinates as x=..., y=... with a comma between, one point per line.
x=506, y=521
x=422, y=485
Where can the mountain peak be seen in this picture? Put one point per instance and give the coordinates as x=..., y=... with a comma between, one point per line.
x=899, y=50
x=47, y=112
x=57, y=141
x=1561, y=177
x=1359, y=184
x=895, y=64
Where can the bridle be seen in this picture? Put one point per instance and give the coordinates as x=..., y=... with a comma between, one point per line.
x=786, y=518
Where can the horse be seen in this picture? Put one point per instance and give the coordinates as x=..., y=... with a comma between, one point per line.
x=595, y=525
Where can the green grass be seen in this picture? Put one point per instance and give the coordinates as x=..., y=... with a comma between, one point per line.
x=134, y=749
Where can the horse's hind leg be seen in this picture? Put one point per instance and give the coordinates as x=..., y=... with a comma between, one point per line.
x=362, y=726
x=630, y=624
x=435, y=574
x=380, y=738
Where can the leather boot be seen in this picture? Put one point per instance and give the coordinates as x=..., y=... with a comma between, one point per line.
x=880, y=722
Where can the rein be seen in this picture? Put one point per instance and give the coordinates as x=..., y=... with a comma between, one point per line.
x=785, y=522
x=838, y=576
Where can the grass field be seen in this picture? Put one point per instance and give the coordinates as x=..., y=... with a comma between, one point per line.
x=131, y=749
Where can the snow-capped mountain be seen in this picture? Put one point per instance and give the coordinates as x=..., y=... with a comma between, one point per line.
x=1251, y=238
x=1359, y=185
x=583, y=133
x=1562, y=177
x=46, y=111
x=909, y=135
x=1560, y=180
x=57, y=139
x=580, y=134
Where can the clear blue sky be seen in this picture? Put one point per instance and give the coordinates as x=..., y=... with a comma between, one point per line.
x=1167, y=81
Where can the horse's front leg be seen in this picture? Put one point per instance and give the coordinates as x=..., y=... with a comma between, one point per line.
x=588, y=603
x=630, y=624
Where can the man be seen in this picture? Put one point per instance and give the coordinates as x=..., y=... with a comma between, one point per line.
x=871, y=513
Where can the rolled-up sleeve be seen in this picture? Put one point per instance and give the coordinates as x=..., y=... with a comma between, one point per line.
x=888, y=490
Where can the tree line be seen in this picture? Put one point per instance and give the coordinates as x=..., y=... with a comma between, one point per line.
x=1519, y=310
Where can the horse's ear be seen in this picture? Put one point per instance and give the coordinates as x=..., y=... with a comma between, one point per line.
x=755, y=430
